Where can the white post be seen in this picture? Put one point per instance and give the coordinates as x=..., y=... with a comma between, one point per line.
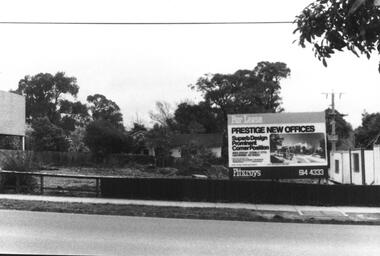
x=23, y=142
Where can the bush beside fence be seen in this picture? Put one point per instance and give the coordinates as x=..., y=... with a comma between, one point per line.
x=260, y=192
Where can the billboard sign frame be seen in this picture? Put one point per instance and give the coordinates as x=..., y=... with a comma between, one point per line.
x=277, y=145
x=12, y=114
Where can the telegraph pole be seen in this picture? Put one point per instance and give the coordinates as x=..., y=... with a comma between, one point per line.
x=333, y=138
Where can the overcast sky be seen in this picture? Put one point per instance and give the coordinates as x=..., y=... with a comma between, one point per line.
x=136, y=66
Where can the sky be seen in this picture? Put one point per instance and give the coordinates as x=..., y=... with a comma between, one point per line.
x=136, y=66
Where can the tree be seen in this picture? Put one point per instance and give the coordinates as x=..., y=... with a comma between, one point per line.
x=103, y=138
x=163, y=115
x=104, y=109
x=368, y=133
x=48, y=137
x=342, y=128
x=160, y=138
x=10, y=142
x=331, y=25
x=46, y=95
x=138, y=133
x=197, y=118
x=245, y=91
x=74, y=114
x=76, y=140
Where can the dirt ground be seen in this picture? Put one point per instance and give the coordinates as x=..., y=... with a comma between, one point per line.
x=87, y=187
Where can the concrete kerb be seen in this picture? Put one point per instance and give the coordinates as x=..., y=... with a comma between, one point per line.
x=257, y=207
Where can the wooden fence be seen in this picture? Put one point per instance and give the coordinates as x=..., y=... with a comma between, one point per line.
x=261, y=192
x=74, y=158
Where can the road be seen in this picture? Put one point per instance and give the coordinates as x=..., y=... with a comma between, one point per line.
x=59, y=233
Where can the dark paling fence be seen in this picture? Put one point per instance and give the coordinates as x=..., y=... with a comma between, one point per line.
x=261, y=192
x=75, y=158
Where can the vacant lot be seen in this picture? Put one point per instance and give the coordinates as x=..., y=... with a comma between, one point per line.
x=87, y=187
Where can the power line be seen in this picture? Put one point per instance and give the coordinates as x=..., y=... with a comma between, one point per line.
x=145, y=23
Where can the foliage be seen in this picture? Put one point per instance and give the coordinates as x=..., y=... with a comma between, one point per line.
x=47, y=95
x=104, y=109
x=76, y=140
x=29, y=142
x=330, y=26
x=368, y=133
x=245, y=91
x=10, y=142
x=197, y=118
x=160, y=138
x=103, y=138
x=137, y=134
x=75, y=115
x=342, y=128
x=163, y=115
x=195, y=159
x=47, y=136
x=20, y=161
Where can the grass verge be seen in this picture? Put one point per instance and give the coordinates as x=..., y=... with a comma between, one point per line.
x=180, y=212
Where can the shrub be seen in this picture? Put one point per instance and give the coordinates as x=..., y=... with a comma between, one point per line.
x=103, y=139
x=20, y=161
x=47, y=136
x=196, y=159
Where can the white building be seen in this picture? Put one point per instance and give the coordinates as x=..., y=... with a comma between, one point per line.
x=356, y=166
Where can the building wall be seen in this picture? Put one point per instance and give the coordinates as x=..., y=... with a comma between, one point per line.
x=217, y=151
x=175, y=152
x=336, y=165
x=356, y=172
x=376, y=163
x=369, y=167
x=351, y=169
x=346, y=168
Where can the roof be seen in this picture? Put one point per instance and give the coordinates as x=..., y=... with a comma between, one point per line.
x=205, y=139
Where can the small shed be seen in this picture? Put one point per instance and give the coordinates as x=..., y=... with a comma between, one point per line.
x=356, y=166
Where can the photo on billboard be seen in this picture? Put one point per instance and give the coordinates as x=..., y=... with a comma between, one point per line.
x=294, y=149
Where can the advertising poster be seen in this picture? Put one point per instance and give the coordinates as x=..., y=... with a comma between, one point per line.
x=280, y=145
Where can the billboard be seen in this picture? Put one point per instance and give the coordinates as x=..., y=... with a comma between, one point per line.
x=280, y=145
x=12, y=114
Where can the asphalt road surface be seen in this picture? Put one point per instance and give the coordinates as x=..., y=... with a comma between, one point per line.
x=58, y=233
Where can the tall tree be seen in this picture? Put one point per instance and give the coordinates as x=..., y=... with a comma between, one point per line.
x=368, y=133
x=163, y=114
x=46, y=94
x=103, y=138
x=245, y=91
x=73, y=115
x=331, y=25
x=197, y=118
x=104, y=109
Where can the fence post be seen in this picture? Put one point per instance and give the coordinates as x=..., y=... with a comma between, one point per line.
x=41, y=184
x=363, y=165
x=97, y=187
x=17, y=183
